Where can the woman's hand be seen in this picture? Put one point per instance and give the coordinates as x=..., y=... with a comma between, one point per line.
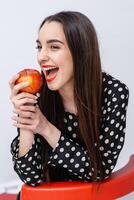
x=31, y=118
x=20, y=99
x=23, y=98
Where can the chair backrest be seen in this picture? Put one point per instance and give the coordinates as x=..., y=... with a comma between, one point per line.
x=119, y=184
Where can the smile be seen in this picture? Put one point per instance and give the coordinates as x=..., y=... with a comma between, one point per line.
x=50, y=72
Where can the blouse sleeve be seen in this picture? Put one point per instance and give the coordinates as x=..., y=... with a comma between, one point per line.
x=28, y=167
x=73, y=156
x=113, y=127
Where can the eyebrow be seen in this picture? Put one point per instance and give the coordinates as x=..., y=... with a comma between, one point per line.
x=51, y=41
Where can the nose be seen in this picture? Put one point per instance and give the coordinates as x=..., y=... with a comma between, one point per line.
x=42, y=56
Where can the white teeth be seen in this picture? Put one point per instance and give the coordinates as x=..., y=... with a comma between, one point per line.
x=48, y=68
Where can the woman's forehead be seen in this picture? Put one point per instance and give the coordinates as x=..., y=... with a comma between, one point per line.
x=52, y=30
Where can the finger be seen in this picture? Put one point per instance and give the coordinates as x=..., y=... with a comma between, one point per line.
x=25, y=114
x=24, y=101
x=16, y=111
x=25, y=94
x=23, y=126
x=28, y=108
x=21, y=120
x=19, y=86
x=27, y=101
x=13, y=80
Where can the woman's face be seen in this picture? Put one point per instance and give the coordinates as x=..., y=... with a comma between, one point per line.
x=54, y=56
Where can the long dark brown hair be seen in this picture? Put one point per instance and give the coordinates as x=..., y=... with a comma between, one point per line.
x=83, y=44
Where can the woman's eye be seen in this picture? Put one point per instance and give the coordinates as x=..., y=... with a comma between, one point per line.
x=54, y=47
x=38, y=47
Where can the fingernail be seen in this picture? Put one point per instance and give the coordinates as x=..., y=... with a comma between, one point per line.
x=38, y=94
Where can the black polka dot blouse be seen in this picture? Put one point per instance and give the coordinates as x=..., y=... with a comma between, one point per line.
x=69, y=160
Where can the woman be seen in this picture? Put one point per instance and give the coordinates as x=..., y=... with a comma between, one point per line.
x=77, y=128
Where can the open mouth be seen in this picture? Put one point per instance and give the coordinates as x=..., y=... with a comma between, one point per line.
x=50, y=72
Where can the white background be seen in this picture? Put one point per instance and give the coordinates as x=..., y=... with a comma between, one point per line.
x=19, y=22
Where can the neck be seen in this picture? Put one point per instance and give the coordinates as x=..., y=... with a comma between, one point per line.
x=68, y=100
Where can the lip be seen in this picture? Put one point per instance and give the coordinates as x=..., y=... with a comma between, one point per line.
x=50, y=79
x=46, y=66
x=45, y=71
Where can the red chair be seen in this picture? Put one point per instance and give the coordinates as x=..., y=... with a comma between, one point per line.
x=118, y=185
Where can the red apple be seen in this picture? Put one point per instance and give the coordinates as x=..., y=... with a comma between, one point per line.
x=34, y=78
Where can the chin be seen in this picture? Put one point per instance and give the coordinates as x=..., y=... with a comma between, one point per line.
x=52, y=87
x=56, y=85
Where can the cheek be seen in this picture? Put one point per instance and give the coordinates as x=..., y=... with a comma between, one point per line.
x=67, y=71
x=58, y=59
x=63, y=58
x=68, y=66
x=38, y=58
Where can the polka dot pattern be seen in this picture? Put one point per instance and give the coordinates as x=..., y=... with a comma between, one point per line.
x=70, y=160
x=29, y=166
